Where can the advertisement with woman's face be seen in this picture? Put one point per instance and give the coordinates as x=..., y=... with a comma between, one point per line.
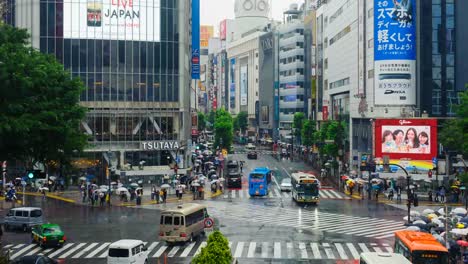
x=406, y=139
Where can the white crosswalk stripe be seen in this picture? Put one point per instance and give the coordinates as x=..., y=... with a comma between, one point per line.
x=310, y=220
x=240, y=249
x=274, y=192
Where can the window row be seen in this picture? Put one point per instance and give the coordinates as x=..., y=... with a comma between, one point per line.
x=292, y=59
x=339, y=83
x=292, y=72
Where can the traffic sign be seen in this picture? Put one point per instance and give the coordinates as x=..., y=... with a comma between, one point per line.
x=23, y=183
x=225, y=152
x=434, y=161
x=208, y=222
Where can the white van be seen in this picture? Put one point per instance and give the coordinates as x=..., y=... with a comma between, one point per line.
x=23, y=217
x=382, y=258
x=127, y=251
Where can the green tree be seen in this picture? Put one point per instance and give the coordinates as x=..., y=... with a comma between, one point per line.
x=216, y=251
x=201, y=121
x=223, y=129
x=308, y=133
x=298, y=124
x=235, y=124
x=39, y=102
x=211, y=118
x=454, y=134
x=243, y=122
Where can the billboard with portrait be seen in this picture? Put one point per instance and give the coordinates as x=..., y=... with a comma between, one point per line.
x=244, y=84
x=222, y=30
x=136, y=20
x=395, y=52
x=406, y=138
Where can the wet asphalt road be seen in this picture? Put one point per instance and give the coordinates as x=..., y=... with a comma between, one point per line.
x=245, y=222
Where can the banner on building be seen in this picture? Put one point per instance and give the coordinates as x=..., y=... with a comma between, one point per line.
x=222, y=29
x=206, y=32
x=195, y=39
x=232, y=83
x=395, y=52
x=134, y=20
x=244, y=84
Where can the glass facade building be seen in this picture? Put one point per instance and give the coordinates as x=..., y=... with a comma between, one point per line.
x=133, y=58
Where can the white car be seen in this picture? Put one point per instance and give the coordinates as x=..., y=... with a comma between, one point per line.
x=250, y=146
x=286, y=185
x=127, y=251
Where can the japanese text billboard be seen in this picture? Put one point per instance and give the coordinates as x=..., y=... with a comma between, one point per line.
x=195, y=40
x=406, y=138
x=395, y=52
x=243, y=85
x=136, y=20
x=206, y=32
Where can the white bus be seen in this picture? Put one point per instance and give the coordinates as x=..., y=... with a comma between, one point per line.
x=382, y=258
x=305, y=187
x=184, y=223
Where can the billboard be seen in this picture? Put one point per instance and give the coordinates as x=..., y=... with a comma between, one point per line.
x=136, y=20
x=223, y=29
x=414, y=139
x=244, y=85
x=195, y=39
x=395, y=52
x=232, y=83
x=206, y=32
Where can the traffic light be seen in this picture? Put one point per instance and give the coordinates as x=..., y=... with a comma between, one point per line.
x=35, y=174
x=429, y=173
x=30, y=175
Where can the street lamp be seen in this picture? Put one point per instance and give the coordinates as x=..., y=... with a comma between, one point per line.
x=410, y=197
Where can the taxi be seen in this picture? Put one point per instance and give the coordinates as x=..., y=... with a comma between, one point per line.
x=48, y=235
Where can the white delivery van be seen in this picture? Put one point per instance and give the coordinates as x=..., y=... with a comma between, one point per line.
x=127, y=251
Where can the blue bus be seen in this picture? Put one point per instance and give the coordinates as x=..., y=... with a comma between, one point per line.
x=259, y=179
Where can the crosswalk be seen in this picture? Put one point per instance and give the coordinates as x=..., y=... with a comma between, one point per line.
x=240, y=250
x=259, y=152
x=276, y=193
x=315, y=219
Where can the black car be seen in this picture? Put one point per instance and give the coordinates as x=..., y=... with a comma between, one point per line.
x=252, y=155
x=36, y=260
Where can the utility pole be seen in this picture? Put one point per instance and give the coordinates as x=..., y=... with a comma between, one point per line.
x=4, y=171
x=292, y=142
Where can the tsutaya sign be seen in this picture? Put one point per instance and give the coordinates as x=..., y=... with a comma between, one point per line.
x=159, y=145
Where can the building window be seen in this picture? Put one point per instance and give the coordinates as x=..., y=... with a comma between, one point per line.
x=325, y=84
x=370, y=43
x=325, y=63
x=339, y=83
x=370, y=13
x=370, y=74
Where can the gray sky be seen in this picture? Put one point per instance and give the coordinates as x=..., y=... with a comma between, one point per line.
x=213, y=11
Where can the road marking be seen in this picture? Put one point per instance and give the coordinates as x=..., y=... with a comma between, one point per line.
x=187, y=250
x=34, y=251
x=270, y=194
x=278, y=194
x=88, y=248
x=71, y=251
x=251, y=252
x=8, y=246
x=315, y=251
x=46, y=251
x=290, y=250
x=328, y=251
x=202, y=245
x=377, y=249
x=322, y=194
x=389, y=249
x=18, y=246
x=386, y=236
x=173, y=251
x=97, y=250
x=160, y=251
x=265, y=250
x=19, y=253
x=65, y=247
x=277, y=250
x=363, y=247
x=336, y=194
x=233, y=193
x=341, y=251
x=151, y=247
x=104, y=254
x=241, y=194
x=303, y=248
x=353, y=250
x=239, y=249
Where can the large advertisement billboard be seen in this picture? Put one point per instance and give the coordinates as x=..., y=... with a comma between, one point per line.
x=232, y=83
x=414, y=139
x=136, y=20
x=206, y=32
x=195, y=39
x=395, y=52
x=244, y=84
x=222, y=30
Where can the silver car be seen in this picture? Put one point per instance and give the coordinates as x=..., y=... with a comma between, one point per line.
x=286, y=185
x=24, y=218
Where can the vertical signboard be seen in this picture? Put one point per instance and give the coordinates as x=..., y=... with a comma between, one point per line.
x=222, y=30
x=196, y=39
x=395, y=52
x=206, y=32
x=243, y=84
x=232, y=83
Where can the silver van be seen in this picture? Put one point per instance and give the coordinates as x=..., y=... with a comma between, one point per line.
x=23, y=217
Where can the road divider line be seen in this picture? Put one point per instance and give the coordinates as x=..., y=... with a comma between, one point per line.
x=315, y=251
x=187, y=250
x=88, y=248
x=71, y=251
x=239, y=249
x=353, y=250
x=65, y=247
x=277, y=250
x=99, y=249
x=341, y=251
x=19, y=253
x=160, y=252
x=251, y=252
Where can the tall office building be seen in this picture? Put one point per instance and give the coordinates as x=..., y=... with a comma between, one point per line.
x=132, y=57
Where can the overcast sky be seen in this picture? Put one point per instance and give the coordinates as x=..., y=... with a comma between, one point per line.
x=213, y=11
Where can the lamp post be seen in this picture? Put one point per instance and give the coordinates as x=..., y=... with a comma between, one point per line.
x=408, y=178
x=292, y=142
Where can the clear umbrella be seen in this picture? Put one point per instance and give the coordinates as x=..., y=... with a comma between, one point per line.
x=165, y=186
x=427, y=212
x=419, y=222
x=196, y=184
x=414, y=213
x=459, y=211
x=413, y=228
x=214, y=181
x=122, y=189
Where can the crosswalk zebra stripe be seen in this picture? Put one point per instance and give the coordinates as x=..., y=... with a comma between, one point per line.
x=8, y=246
x=104, y=254
x=45, y=252
x=241, y=194
x=359, y=230
x=19, y=246
x=65, y=247
x=173, y=251
x=151, y=247
x=233, y=194
x=160, y=251
x=376, y=230
x=303, y=248
x=277, y=250
x=290, y=250
x=353, y=250
x=71, y=251
x=186, y=251
x=265, y=250
x=278, y=194
x=389, y=249
x=341, y=251
x=34, y=251
x=315, y=251
x=385, y=236
x=20, y=252
x=97, y=250
x=391, y=231
x=323, y=195
x=335, y=193
x=239, y=249
x=363, y=247
x=251, y=251
x=357, y=225
x=328, y=251
x=202, y=245
x=88, y=248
